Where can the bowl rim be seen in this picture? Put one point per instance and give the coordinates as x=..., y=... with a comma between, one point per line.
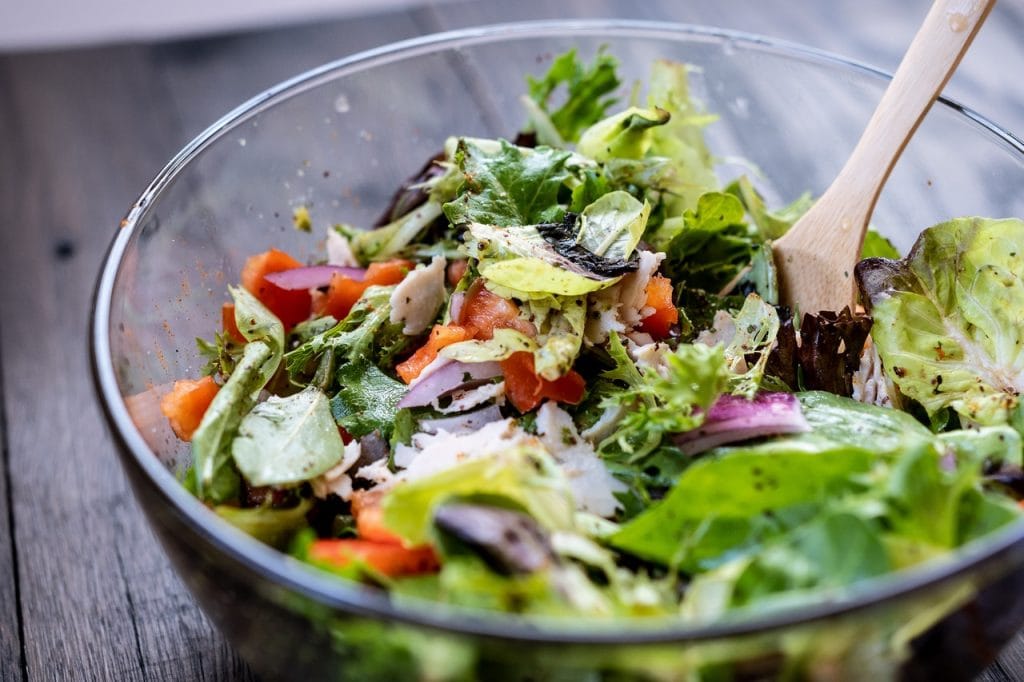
x=349, y=597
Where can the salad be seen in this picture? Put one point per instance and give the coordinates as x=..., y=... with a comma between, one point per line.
x=555, y=379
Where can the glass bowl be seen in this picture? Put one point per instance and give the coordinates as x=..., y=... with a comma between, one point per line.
x=338, y=140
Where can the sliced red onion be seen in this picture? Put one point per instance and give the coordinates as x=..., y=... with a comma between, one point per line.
x=462, y=423
x=733, y=419
x=446, y=379
x=313, y=276
x=455, y=306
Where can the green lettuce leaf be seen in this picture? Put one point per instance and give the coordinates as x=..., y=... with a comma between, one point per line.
x=770, y=224
x=390, y=240
x=519, y=258
x=215, y=479
x=877, y=246
x=499, y=347
x=710, y=245
x=947, y=320
x=524, y=477
x=560, y=321
x=586, y=98
x=757, y=325
x=877, y=464
x=626, y=135
x=288, y=440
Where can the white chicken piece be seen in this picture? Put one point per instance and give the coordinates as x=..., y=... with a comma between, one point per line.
x=417, y=298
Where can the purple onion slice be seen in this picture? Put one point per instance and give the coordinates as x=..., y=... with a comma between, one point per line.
x=734, y=418
x=313, y=276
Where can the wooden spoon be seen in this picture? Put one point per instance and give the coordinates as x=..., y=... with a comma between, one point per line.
x=816, y=257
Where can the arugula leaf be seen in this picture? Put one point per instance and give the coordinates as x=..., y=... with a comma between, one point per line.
x=287, y=440
x=215, y=478
x=221, y=354
x=946, y=318
x=366, y=332
x=368, y=399
x=513, y=186
x=586, y=99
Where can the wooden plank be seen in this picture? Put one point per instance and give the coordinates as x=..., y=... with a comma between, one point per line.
x=11, y=667
x=92, y=127
x=11, y=661
x=81, y=149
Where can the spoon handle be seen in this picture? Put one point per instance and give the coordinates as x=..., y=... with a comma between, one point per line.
x=934, y=54
x=816, y=257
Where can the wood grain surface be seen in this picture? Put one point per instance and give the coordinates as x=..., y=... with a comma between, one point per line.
x=85, y=593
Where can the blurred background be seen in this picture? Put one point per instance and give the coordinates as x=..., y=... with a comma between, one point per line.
x=95, y=97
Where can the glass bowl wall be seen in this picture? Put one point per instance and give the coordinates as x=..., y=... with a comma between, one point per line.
x=338, y=140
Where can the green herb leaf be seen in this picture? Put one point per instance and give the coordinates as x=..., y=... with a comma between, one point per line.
x=666, y=402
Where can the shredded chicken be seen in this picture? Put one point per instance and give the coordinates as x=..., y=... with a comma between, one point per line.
x=622, y=306
x=335, y=480
x=466, y=399
x=418, y=297
x=870, y=384
x=593, y=488
x=339, y=251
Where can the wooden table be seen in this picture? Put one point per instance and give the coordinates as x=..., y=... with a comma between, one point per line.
x=85, y=593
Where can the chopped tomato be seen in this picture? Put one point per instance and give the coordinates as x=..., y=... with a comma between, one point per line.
x=388, y=558
x=659, y=296
x=486, y=311
x=526, y=390
x=291, y=307
x=370, y=525
x=343, y=291
x=440, y=336
x=186, y=404
x=227, y=315
x=456, y=269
